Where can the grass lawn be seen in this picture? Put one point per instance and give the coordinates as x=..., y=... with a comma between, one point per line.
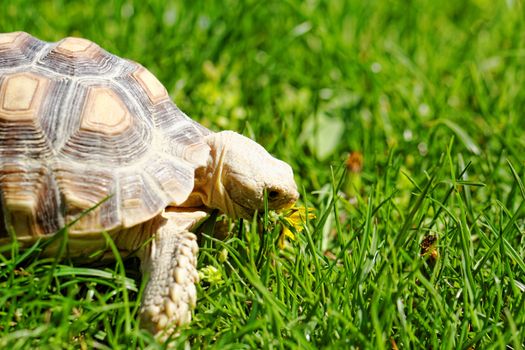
x=404, y=123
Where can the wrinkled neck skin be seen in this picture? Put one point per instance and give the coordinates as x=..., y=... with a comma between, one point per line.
x=212, y=191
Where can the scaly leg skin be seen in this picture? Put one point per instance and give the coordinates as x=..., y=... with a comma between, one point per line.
x=170, y=294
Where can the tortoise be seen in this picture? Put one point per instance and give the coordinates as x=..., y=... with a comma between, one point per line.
x=92, y=142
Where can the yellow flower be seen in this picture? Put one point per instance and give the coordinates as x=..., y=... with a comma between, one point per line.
x=294, y=218
x=211, y=274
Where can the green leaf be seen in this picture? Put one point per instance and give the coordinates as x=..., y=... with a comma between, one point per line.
x=322, y=134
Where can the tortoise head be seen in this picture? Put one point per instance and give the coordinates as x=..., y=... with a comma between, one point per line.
x=241, y=172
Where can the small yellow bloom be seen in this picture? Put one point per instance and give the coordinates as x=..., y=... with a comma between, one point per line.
x=211, y=274
x=295, y=218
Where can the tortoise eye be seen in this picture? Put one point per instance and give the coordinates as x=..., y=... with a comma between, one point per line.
x=273, y=194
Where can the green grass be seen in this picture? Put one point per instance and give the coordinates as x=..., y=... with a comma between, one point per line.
x=430, y=94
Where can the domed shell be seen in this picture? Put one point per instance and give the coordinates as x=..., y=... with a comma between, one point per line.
x=80, y=127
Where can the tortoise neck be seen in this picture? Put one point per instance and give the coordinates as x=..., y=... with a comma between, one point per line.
x=214, y=193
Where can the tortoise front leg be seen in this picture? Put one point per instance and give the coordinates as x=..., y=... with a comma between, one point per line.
x=170, y=294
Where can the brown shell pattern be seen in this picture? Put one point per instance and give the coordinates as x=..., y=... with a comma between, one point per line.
x=80, y=127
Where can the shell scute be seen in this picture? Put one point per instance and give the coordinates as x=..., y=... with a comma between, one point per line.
x=78, y=57
x=18, y=49
x=104, y=112
x=140, y=198
x=151, y=85
x=174, y=176
x=28, y=189
x=22, y=97
x=90, y=196
x=108, y=128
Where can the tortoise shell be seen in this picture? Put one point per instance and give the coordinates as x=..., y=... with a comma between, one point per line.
x=79, y=128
